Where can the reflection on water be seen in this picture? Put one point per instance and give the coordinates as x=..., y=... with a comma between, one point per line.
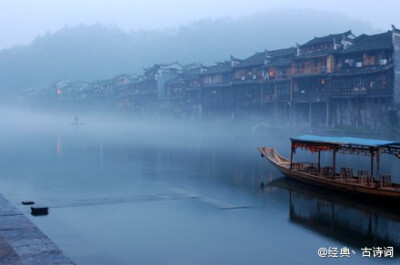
x=142, y=193
x=59, y=146
x=355, y=223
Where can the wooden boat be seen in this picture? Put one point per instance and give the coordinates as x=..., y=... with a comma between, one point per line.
x=28, y=202
x=364, y=183
x=77, y=122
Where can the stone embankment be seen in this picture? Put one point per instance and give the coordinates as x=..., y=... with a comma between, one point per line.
x=22, y=243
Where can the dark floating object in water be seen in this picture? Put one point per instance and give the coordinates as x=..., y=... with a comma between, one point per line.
x=37, y=211
x=28, y=202
x=262, y=185
x=77, y=122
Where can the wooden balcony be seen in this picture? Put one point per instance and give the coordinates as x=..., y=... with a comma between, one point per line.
x=276, y=98
x=361, y=92
x=311, y=96
x=278, y=77
x=283, y=76
x=310, y=70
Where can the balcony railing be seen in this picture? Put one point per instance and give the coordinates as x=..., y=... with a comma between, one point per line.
x=361, y=92
x=278, y=77
x=273, y=98
x=283, y=76
x=311, y=96
x=310, y=70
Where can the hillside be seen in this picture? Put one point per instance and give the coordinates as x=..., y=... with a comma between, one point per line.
x=91, y=52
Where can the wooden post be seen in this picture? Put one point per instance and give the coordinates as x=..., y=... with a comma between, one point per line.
x=358, y=116
x=319, y=161
x=372, y=163
x=380, y=122
x=333, y=163
x=365, y=112
x=378, y=154
x=291, y=156
x=294, y=113
x=327, y=114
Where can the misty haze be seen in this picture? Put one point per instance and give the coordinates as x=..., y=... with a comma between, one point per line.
x=131, y=145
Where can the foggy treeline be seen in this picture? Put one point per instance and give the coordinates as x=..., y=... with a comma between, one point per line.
x=92, y=52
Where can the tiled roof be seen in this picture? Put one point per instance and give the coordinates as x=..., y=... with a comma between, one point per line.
x=224, y=67
x=317, y=53
x=256, y=59
x=327, y=39
x=279, y=62
x=259, y=58
x=193, y=73
x=371, y=42
x=286, y=52
x=363, y=70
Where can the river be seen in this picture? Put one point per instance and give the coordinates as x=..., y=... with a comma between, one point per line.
x=128, y=192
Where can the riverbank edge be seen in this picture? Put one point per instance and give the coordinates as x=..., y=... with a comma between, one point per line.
x=22, y=243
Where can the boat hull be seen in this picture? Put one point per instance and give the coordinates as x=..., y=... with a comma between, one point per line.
x=353, y=189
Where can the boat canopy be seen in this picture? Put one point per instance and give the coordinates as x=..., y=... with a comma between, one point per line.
x=321, y=143
x=343, y=140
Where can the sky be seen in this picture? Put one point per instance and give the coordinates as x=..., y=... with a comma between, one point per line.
x=21, y=21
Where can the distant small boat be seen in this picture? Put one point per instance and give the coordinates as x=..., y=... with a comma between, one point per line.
x=77, y=122
x=364, y=183
x=28, y=202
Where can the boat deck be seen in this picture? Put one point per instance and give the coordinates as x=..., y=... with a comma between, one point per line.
x=345, y=176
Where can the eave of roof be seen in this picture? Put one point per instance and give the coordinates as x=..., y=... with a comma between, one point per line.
x=256, y=59
x=371, y=42
x=326, y=39
x=220, y=68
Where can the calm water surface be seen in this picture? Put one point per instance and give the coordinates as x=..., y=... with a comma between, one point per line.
x=139, y=193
